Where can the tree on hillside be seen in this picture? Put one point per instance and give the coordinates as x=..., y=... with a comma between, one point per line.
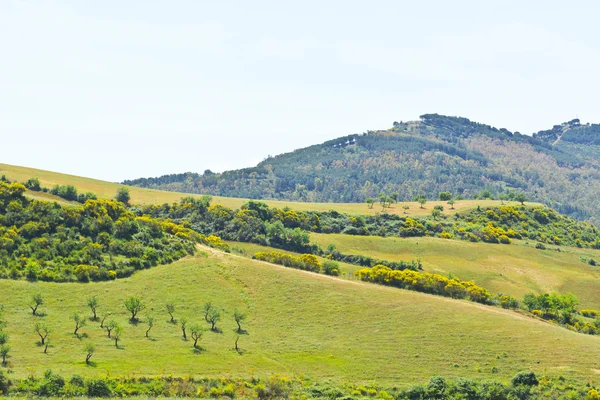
x=36, y=301
x=89, y=349
x=134, y=305
x=171, y=309
x=451, y=203
x=42, y=330
x=123, y=195
x=421, y=199
x=370, y=201
x=444, y=196
x=93, y=304
x=33, y=184
x=183, y=322
x=207, y=307
x=521, y=198
x=213, y=317
x=79, y=322
x=435, y=213
x=196, y=332
x=150, y=322
x=394, y=196
x=239, y=316
x=4, y=350
x=116, y=335
x=110, y=326
x=104, y=316
x=405, y=207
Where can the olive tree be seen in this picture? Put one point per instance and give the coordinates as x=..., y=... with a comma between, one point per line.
x=116, y=334
x=207, y=307
x=134, y=305
x=150, y=322
x=171, y=309
x=89, y=349
x=43, y=331
x=79, y=322
x=214, y=315
x=109, y=326
x=36, y=301
x=93, y=304
x=196, y=332
x=183, y=322
x=239, y=316
x=4, y=350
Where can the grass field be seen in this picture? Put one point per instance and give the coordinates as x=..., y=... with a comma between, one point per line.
x=300, y=324
x=515, y=269
x=105, y=189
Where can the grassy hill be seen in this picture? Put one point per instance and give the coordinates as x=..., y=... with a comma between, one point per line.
x=299, y=323
x=515, y=269
x=140, y=195
x=558, y=167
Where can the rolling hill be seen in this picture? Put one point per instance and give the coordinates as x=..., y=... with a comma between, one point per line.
x=558, y=167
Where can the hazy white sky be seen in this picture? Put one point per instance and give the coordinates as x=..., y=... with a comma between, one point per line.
x=123, y=89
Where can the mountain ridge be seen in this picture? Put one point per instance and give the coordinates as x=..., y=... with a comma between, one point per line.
x=559, y=166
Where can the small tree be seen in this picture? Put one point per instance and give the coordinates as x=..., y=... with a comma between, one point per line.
x=134, y=305
x=444, y=196
x=394, y=196
x=116, y=334
x=171, y=309
x=207, y=307
x=123, y=195
x=93, y=304
x=46, y=346
x=43, y=331
x=89, y=349
x=435, y=213
x=150, y=323
x=521, y=198
x=110, y=325
x=370, y=201
x=79, y=322
x=213, y=317
x=239, y=316
x=196, y=332
x=36, y=301
x=4, y=350
x=451, y=204
x=104, y=316
x=183, y=322
x=421, y=199
x=405, y=207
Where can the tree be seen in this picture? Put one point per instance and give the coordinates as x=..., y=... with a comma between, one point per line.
x=110, y=325
x=436, y=213
x=123, y=195
x=171, y=309
x=36, y=301
x=239, y=316
x=405, y=207
x=421, y=199
x=237, y=339
x=43, y=331
x=134, y=305
x=444, y=196
x=116, y=335
x=79, y=322
x=214, y=316
x=46, y=346
x=150, y=323
x=104, y=316
x=4, y=350
x=521, y=198
x=196, y=332
x=394, y=196
x=451, y=203
x=89, y=349
x=207, y=307
x=183, y=322
x=370, y=201
x=93, y=304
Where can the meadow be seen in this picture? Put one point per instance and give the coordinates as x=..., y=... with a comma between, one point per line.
x=299, y=324
x=516, y=269
x=107, y=190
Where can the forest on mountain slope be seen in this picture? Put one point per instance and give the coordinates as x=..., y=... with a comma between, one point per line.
x=559, y=167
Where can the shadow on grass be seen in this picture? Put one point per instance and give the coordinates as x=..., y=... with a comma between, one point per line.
x=241, y=332
x=91, y=364
x=151, y=339
x=216, y=330
x=81, y=336
x=40, y=314
x=199, y=350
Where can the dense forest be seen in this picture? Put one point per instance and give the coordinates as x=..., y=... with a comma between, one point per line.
x=559, y=167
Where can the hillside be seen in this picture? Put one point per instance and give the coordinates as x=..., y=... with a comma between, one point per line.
x=299, y=323
x=558, y=167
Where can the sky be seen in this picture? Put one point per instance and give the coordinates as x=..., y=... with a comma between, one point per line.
x=117, y=90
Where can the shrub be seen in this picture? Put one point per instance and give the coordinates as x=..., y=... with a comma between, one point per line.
x=525, y=378
x=99, y=388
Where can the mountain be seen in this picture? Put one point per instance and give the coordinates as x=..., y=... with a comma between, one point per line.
x=559, y=166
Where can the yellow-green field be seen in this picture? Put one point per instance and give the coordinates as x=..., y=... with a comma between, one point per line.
x=514, y=269
x=105, y=189
x=299, y=324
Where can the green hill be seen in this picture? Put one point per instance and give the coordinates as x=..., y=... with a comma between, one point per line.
x=558, y=167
